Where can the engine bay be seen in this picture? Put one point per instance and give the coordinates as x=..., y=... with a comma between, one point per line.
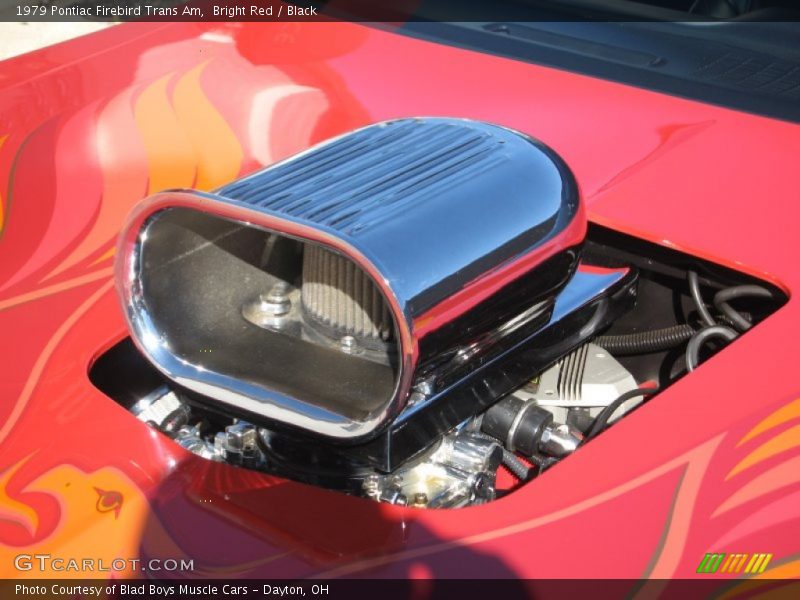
x=329, y=320
x=575, y=399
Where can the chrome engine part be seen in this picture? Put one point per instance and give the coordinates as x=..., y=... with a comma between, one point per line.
x=424, y=267
x=394, y=313
x=163, y=409
x=239, y=445
x=461, y=471
x=559, y=441
x=192, y=439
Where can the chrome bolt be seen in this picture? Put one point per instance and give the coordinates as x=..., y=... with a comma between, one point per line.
x=349, y=344
x=276, y=302
x=267, y=309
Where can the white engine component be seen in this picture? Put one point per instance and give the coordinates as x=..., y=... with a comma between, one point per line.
x=589, y=378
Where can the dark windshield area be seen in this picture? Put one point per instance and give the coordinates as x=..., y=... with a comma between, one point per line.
x=749, y=66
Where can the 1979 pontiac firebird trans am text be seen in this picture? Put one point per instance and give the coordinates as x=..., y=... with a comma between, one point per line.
x=104, y=11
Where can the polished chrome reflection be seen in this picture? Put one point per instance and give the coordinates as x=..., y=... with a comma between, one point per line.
x=466, y=231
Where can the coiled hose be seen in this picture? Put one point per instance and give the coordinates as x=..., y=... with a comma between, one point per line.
x=646, y=341
x=739, y=319
x=694, y=290
x=694, y=345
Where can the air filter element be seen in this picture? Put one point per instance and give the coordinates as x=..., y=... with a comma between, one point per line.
x=342, y=300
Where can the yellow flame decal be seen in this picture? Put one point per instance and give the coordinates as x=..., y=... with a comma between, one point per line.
x=81, y=526
x=187, y=141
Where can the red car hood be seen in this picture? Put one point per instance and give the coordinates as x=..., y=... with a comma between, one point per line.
x=89, y=127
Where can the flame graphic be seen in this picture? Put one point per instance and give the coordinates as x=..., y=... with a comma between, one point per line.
x=87, y=525
x=775, y=477
x=92, y=524
x=170, y=140
x=778, y=474
x=13, y=510
x=176, y=131
x=65, y=188
x=782, y=442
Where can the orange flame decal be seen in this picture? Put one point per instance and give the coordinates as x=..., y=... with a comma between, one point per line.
x=783, y=415
x=14, y=510
x=778, y=477
x=782, y=442
x=218, y=153
x=81, y=496
x=170, y=155
x=174, y=137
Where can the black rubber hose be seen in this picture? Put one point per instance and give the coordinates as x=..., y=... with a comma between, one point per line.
x=694, y=289
x=511, y=461
x=646, y=341
x=726, y=320
x=723, y=297
x=702, y=336
x=515, y=465
x=601, y=420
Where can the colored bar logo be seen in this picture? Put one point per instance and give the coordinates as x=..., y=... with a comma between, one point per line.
x=719, y=562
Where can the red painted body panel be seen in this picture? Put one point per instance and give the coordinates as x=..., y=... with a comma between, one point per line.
x=89, y=127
